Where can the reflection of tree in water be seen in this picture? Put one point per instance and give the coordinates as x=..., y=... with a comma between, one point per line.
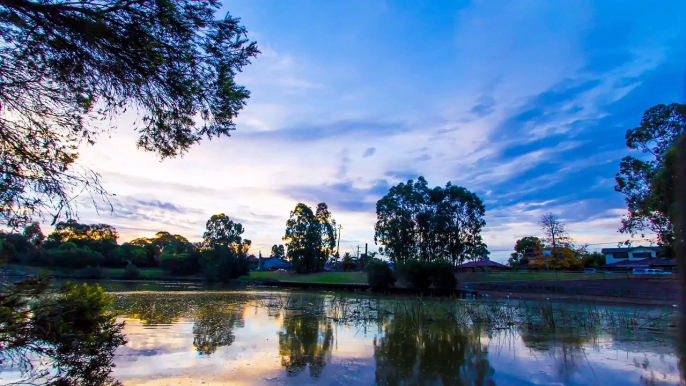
x=214, y=324
x=305, y=341
x=442, y=353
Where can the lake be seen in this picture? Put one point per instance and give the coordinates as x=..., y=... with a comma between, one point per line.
x=189, y=334
x=297, y=338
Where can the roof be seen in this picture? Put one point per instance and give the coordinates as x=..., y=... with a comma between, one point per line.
x=642, y=263
x=482, y=263
x=629, y=249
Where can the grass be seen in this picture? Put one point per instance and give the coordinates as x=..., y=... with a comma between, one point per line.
x=321, y=277
x=474, y=277
x=114, y=273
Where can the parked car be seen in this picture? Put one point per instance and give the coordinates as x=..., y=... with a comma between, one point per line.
x=589, y=270
x=649, y=271
x=281, y=270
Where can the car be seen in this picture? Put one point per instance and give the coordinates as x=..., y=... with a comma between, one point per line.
x=589, y=270
x=639, y=271
x=281, y=270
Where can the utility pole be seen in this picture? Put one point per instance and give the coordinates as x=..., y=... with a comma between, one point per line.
x=339, y=240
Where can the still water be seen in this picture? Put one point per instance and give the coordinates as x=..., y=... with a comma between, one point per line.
x=295, y=338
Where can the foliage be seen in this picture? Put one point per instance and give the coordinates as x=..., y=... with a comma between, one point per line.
x=647, y=183
x=224, y=256
x=126, y=254
x=278, y=251
x=379, y=274
x=594, y=260
x=223, y=264
x=414, y=220
x=154, y=246
x=310, y=237
x=131, y=272
x=222, y=231
x=416, y=273
x=65, y=66
x=68, y=255
x=17, y=248
x=180, y=264
x=91, y=273
x=443, y=275
x=33, y=233
x=527, y=249
x=69, y=331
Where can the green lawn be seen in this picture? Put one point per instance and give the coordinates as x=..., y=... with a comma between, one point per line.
x=322, y=277
x=474, y=277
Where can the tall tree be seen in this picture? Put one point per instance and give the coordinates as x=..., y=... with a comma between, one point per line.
x=66, y=66
x=33, y=233
x=278, y=251
x=222, y=231
x=555, y=236
x=415, y=221
x=310, y=237
x=647, y=182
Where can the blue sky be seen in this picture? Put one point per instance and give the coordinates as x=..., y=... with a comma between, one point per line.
x=525, y=103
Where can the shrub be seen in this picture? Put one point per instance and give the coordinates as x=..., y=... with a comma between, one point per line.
x=179, y=264
x=443, y=275
x=71, y=257
x=224, y=264
x=91, y=273
x=417, y=273
x=379, y=274
x=132, y=272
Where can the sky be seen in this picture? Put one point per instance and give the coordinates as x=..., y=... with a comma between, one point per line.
x=525, y=103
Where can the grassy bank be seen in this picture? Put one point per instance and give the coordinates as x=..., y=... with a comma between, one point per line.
x=108, y=273
x=476, y=277
x=321, y=277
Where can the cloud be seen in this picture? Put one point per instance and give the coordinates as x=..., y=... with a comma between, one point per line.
x=368, y=152
x=343, y=196
x=484, y=107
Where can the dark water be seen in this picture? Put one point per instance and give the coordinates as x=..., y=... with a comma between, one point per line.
x=291, y=338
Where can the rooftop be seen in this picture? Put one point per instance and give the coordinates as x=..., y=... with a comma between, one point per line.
x=482, y=263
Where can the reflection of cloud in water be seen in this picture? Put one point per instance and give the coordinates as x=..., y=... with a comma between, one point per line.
x=214, y=340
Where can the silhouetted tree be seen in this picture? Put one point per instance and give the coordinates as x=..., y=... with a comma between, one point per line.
x=415, y=221
x=310, y=237
x=278, y=251
x=647, y=182
x=65, y=65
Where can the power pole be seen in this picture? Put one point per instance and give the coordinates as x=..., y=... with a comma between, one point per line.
x=339, y=240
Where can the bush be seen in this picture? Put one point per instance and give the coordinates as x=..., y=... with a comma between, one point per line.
x=91, y=273
x=181, y=264
x=71, y=257
x=443, y=275
x=379, y=274
x=132, y=272
x=224, y=264
x=416, y=273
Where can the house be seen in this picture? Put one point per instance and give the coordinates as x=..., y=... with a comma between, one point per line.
x=273, y=263
x=480, y=265
x=628, y=265
x=615, y=255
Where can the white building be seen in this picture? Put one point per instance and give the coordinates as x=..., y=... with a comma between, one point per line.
x=614, y=255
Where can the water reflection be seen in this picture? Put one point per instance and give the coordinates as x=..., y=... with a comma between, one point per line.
x=305, y=341
x=214, y=325
x=441, y=353
x=294, y=339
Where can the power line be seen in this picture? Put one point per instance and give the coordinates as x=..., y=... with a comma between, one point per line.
x=609, y=242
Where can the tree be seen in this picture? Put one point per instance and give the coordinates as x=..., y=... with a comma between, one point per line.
x=224, y=256
x=310, y=237
x=414, y=221
x=69, y=330
x=34, y=234
x=222, y=231
x=526, y=249
x=64, y=66
x=555, y=235
x=647, y=183
x=278, y=251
